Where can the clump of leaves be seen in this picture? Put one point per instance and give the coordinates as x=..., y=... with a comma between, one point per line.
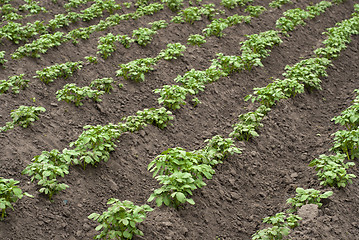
x=2, y=58
x=332, y=170
x=179, y=172
x=107, y=45
x=174, y=5
x=172, y=51
x=64, y=70
x=218, y=149
x=24, y=116
x=173, y=96
x=307, y=196
x=231, y=4
x=248, y=124
x=350, y=116
x=119, y=221
x=255, y=11
x=279, y=3
x=281, y=226
x=156, y=25
x=196, y=39
x=308, y=72
x=143, y=36
x=95, y=144
x=125, y=40
x=157, y=117
x=347, y=142
x=273, y=92
x=72, y=93
x=91, y=59
x=15, y=82
x=194, y=80
x=136, y=69
x=45, y=168
x=9, y=194
x=102, y=84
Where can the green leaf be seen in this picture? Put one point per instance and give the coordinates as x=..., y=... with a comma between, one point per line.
x=180, y=197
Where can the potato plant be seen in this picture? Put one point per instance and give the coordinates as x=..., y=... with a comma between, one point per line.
x=196, y=39
x=175, y=190
x=332, y=171
x=339, y=37
x=94, y=145
x=172, y=51
x=255, y=11
x=218, y=149
x=40, y=45
x=102, y=84
x=307, y=196
x=279, y=3
x=350, y=116
x=45, y=169
x=347, y=142
x=72, y=93
x=174, y=5
x=275, y=91
x=107, y=45
x=120, y=219
x=10, y=193
x=136, y=69
x=194, y=80
x=64, y=70
x=15, y=82
x=32, y=7
x=24, y=116
x=143, y=36
x=157, y=25
x=308, y=72
x=173, y=96
x=231, y=4
x=2, y=58
x=282, y=225
x=248, y=124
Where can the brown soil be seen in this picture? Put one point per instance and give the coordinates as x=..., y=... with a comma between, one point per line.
x=246, y=187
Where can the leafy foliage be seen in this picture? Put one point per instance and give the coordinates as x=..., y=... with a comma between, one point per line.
x=281, y=227
x=255, y=11
x=102, y=84
x=307, y=196
x=172, y=51
x=119, y=221
x=64, y=70
x=15, y=82
x=273, y=92
x=308, y=72
x=196, y=39
x=347, y=142
x=350, y=116
x=9, y=194
x=24, y=116
x=72, y=93
x=95, y=144
x=45, y=168
x=332, y=170
x=279, y=3
x=173, y=96
x=218, y=149
x=143, y=36
x=136, y=69
x=248, y=124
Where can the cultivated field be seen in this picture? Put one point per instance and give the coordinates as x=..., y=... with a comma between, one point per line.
x=206, y=115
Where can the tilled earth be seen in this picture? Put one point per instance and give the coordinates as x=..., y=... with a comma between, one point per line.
x=246, y=188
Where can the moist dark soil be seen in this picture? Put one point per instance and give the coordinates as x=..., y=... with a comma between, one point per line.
x=246, y=188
